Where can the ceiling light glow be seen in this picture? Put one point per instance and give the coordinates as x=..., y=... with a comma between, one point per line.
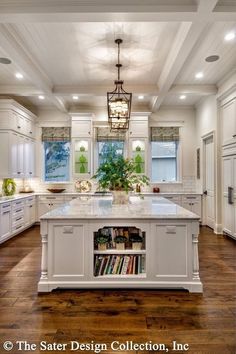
x=199, y=75
x=75, y=97
x=182, y=97
x=141, y=97
x=19, y=76
x=41, y=97
x=229, y=36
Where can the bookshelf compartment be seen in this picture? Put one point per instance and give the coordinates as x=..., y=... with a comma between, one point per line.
x=118, y=265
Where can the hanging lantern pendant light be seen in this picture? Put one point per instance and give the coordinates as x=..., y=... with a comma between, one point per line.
x=119, y=101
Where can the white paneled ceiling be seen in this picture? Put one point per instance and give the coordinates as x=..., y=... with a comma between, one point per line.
x=66, y=48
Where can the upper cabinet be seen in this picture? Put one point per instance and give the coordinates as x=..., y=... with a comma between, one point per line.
x=81, y=127
x=15, y=117
x=17, y=144
x=138, y=127
x=81, y=132
x=228, y=117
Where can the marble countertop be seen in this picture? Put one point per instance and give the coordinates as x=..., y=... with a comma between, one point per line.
x=102, y=208
x=26, y=195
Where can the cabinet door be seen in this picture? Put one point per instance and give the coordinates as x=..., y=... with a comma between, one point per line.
x=228, y=223
x=196, y=208
x=68, y=240
x=138, y=152
x=29, y=214
x=20, y=156
x=170, y=248
x=82, y=157
x=81, y=128
x=43, y=208
x=138, y=129
x=29, y=157
x=234, y=187
x=229, y=122
x=187, y=205
x=14, y=155
x=5, y=226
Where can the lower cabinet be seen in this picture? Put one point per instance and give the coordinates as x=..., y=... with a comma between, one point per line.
x=5, y=221
x=48, y=203
x=192, y=203
x=30, y=212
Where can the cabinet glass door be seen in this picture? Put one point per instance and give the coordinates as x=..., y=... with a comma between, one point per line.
x=138, y=155
x=82, y=152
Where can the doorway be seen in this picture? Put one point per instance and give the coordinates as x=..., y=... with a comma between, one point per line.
x=209, y=180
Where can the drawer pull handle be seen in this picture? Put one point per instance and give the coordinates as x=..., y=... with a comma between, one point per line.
x=18, y=210
x=18, y=202
x=6, y=212
x=6, y=206
x=18, y=227
x=18, y=219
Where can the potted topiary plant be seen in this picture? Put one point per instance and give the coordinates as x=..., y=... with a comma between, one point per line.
x=120, y=242
x=118, y=175
x=102, y=241
x=137, y=241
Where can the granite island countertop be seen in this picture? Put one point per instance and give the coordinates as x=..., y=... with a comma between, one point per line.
x=102, y=208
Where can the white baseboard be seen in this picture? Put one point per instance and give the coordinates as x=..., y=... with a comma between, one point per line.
x=218, y=229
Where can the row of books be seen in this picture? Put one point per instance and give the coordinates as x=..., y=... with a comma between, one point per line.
x=119, y=264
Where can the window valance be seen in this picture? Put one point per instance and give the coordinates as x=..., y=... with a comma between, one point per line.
x=165, y=134
x=104, y=134
x=56, y=134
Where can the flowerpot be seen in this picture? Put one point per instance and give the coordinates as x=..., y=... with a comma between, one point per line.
x=102, y=246
x=136, y=245
x=120, y=246
x=120, y=197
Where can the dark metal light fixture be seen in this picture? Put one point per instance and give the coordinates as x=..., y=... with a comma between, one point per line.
x=119, y=101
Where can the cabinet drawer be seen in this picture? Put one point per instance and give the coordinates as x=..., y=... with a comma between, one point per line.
x=5, y=207
x=30, y=200
x=48, y=199
x=17, y=228
x=192, y=198
x=18, y=204
x=18, y=220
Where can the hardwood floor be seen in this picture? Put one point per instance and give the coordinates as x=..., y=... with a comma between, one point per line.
x=206, y=322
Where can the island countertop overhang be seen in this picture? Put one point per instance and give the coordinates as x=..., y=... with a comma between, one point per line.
x=102, y=208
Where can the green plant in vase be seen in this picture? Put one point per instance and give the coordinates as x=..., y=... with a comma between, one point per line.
x=101, y=241
x=120, y=242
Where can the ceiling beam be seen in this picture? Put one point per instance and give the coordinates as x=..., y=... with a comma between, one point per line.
x=18, y=11
x=185, y=40
x=193, y=89
x=98, y=90
x=20, y=90
x=12, y=44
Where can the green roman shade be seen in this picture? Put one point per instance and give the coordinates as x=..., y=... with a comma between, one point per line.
x=104, y=134
x=56, y=134
x=165, y=134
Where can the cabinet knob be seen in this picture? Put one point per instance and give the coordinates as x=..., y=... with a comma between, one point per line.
x=31, y=173
x=234, y=136
x=18, y=127
x=130, y=133
x=18, y=173
x=30, y=132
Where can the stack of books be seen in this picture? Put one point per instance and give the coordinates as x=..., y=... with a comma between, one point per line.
x=119, y=264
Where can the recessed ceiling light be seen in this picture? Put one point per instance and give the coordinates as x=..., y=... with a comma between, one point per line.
x=141, y=97
x=182, y=97
x=5, y=61
x=41, y=97
x=212, y=58
x=229, y=36
x=19, y=76
x=75, y=97
x=199, y=75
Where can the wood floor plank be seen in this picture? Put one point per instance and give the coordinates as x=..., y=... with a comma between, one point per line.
x=207, y=321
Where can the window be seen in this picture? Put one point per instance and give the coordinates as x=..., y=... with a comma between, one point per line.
x=109, y=149
x=56, y=161
x=165, y=146
x=164, y=161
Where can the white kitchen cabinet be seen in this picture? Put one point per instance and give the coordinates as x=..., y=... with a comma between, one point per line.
x=82, y=157
x=5, y=221
x=29, y=158
x=229, y=195
x=16, y=118
x=81, y=128
x=48, y=203
x=228, y=117
x=17, y=155
x=138, y=128
x=192, y=203
x=30, y=211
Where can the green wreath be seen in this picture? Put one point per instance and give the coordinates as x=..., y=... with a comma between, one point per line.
x=9, y=186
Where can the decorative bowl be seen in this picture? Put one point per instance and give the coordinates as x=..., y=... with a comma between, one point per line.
x=56, y=190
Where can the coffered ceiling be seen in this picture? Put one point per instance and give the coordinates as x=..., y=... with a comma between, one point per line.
x=66, y=48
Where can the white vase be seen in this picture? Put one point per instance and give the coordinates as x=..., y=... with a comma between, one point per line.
x=120, y=197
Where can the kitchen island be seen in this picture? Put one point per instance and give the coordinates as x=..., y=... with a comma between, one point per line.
x=167, y=256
